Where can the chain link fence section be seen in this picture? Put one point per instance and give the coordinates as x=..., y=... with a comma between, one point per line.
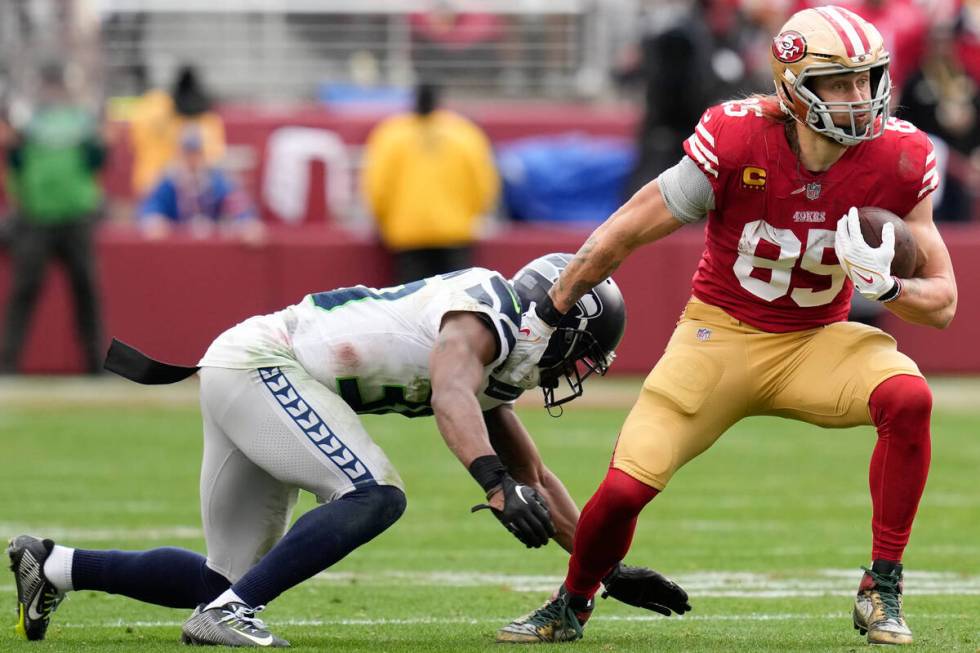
x=288, y=50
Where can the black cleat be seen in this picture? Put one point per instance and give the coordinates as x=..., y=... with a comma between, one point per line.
x=232, y=624
x=36, y=597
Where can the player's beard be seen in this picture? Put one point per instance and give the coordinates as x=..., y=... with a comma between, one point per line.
x=842, y=118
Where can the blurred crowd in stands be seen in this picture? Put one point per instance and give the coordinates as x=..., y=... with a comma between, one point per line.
x=178, y=142
x=677, y=57
x=683, y=56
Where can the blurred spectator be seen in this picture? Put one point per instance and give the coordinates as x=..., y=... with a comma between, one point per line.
x=675, y=67
x=941, y=99
x=752, y=39
x=428, y=178
x=7, y=140
x=903, y=24
x=7, y=135
x=968, y=38
x=200, y=199
x=159, y=119
x=53, y=185
x=448, y=45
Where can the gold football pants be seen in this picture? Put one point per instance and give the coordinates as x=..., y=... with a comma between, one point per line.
x=717, y=370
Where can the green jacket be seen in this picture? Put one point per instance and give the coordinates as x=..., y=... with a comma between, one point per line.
x=53, y=172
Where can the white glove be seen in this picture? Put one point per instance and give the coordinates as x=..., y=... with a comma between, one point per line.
x=868, y=267
x=521, y=367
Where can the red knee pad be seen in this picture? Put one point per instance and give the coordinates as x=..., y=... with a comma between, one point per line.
x=903, y=399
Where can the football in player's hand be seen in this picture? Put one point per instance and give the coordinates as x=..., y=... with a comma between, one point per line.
x=873, y=219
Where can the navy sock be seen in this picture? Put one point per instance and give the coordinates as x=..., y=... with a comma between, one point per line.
x=175, y=578
x=319, y=539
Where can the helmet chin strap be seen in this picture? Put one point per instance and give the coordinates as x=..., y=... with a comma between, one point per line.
x=791, y=135
x=553, y=406
x=574, y=372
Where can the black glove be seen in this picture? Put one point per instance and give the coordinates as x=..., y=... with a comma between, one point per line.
x=645, y=588
x=525, y=513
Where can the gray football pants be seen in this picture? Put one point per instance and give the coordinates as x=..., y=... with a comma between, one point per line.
x=269, y=433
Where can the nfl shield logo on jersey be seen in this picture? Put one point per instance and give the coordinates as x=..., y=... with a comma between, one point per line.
x=813, y=190
x=704, y=335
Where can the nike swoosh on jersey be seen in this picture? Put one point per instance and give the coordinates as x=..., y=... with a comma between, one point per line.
x=798, y=190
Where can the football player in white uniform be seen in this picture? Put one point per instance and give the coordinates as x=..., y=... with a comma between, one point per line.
x=280, y=399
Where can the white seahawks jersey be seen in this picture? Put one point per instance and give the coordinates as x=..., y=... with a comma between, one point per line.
x=372, y=346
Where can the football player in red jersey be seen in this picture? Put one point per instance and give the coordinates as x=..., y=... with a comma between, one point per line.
x=777, y=179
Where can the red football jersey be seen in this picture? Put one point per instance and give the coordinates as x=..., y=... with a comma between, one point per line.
x=769, y=256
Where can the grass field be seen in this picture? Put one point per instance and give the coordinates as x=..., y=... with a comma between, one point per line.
x=766, y=530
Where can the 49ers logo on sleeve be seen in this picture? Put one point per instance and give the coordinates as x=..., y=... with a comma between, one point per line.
x=789, y=47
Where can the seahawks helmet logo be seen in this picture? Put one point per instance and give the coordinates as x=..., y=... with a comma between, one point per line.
x=589, y=306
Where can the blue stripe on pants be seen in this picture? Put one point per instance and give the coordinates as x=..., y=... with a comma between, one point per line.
x=314, y=427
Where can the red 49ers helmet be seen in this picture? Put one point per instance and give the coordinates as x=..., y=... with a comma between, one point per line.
x=828, y=41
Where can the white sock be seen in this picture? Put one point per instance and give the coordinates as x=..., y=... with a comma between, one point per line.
x=227, y=596
x=57, y=568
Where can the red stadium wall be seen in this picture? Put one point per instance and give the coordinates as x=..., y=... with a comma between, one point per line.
x=171, y=298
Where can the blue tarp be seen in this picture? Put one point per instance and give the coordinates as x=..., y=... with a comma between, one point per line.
x=565, y=178
x=341, y=95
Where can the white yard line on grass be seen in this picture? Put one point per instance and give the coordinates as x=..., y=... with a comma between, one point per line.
x=424, y=621
x=74, y=535
x=702, y=584
x=421, y=621
x=708, y=584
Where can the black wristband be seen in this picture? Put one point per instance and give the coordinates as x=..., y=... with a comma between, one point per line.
x=488, y=471
x=893, y=293
x=547, y=312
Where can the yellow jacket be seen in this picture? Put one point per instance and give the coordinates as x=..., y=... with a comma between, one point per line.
x=427, y=180
x=155, y=129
